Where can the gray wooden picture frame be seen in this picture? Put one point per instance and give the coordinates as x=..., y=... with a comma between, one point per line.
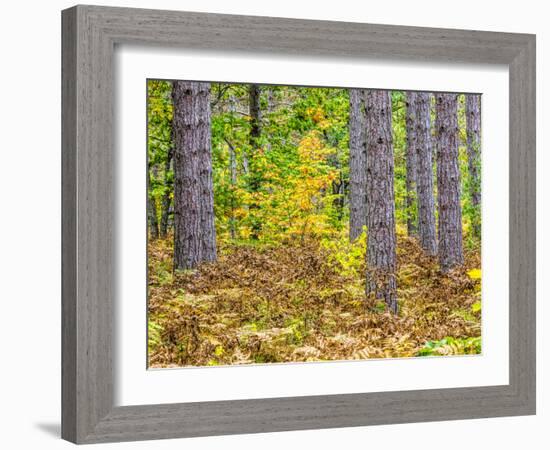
x=90, y=34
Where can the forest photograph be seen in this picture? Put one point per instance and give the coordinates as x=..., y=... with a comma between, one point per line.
x=295, y=224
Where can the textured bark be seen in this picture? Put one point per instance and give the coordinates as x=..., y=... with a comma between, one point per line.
x=448, y=183
x=381, y=238
x=357, y=163
x=166, y=198
x=270, y=109
x=194, y=231
x=233, y=177
x=424, y=174
x=254, y=138
x=410, y=179
x=473, y=130
x=270, y=102
x=246, y=168
x=152, y=209
x=255, y=115
x=233, y=173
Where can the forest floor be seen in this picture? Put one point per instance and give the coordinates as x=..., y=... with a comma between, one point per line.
x=306, y=302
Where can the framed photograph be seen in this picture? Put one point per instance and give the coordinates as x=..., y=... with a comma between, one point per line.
x=277, y=224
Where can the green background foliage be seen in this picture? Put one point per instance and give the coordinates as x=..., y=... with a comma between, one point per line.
x=303, y=150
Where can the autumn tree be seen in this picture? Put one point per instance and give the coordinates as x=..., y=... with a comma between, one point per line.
x=424, y=174
x=473, y=134
x=448, y=183
x=381, y=236
x=194, y=231
x=357, y=164
x=410, y=180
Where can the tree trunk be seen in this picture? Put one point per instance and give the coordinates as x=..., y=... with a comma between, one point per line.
x=424, y=175
x=166, y=198
x=152, y=207
x=233, y=179
x=473, y=131
x=233, y=174
x=410, y=179
x=338, y=188
x=357, y=164
x=270, y=109
x=195, y=234
x=381, y=238
x=448, y=183
x=253, y=172
x=270, y=102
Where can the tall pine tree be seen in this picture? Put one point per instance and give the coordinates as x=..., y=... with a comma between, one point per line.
x=424, y=175
x=357, y=164
x=194, y=231
x=381, y=236
x=410, y=178
x=254, y=176
x=473, y=134
x=448, y=183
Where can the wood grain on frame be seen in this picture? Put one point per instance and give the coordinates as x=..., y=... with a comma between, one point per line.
x=88, y=200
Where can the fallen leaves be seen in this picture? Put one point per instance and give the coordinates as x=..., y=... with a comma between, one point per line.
x=297, y=302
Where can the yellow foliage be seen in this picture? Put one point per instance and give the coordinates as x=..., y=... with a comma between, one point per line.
x=475, y=274
x=348, y=257
x=296, y=204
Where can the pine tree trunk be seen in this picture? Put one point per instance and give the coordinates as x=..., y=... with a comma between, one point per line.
x=424, y=175
x=233, y=174
x=194, y=231
x=233, y=179
x=166, y=198
x=410, y=179
x=152, y=207
x=448, y=183
x=357, y=164
x=253, y=173
x=473, y=130
x=381, y=238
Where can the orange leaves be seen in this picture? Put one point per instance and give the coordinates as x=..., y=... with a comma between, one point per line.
x=317, y=114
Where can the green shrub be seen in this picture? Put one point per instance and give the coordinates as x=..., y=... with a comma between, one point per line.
x=451, y=346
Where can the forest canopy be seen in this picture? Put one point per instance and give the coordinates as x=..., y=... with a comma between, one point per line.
x=293, y=223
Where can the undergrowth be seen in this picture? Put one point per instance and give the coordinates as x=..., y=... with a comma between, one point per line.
x=305, y=301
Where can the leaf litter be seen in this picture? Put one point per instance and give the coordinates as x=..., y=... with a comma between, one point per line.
x=296, y=303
